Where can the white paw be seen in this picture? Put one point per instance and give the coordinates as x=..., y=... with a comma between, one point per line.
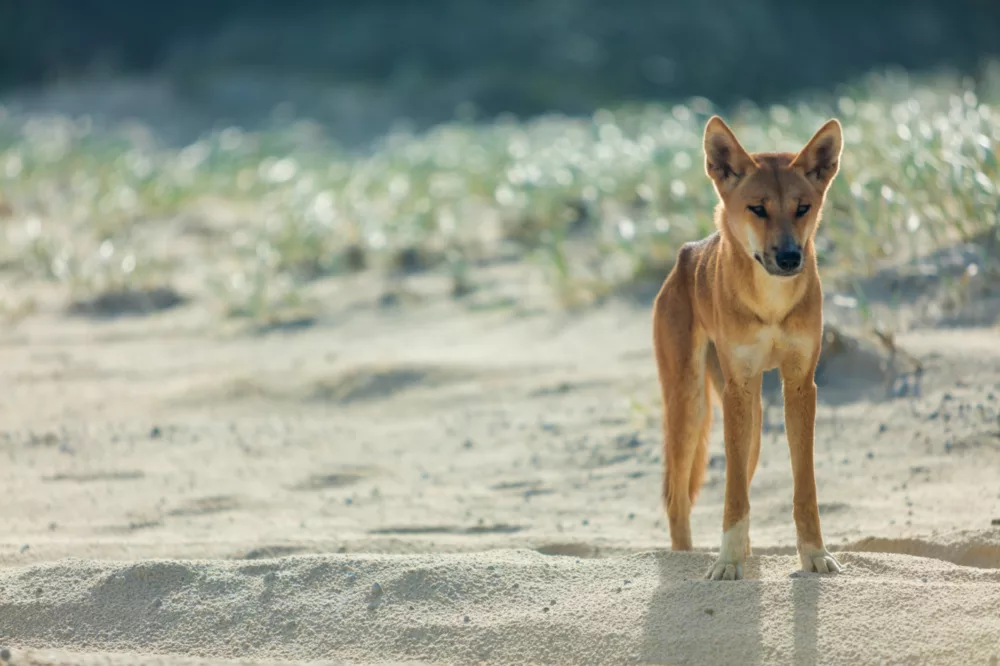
x=735, y=546
x=819, y=561
x=724, y=570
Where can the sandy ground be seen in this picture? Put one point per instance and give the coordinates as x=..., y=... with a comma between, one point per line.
x=466, y=482
x=434, y=483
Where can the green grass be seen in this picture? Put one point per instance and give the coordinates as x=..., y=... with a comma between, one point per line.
x=600, y=202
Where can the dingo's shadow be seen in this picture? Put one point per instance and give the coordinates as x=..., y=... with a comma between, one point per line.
x=696, y=621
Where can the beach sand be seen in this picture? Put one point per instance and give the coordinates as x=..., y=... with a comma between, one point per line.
x=438, y=483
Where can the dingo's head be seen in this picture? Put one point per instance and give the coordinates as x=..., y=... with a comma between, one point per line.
x=771, y=201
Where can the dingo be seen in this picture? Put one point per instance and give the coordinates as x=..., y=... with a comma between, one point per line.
x=742, y=301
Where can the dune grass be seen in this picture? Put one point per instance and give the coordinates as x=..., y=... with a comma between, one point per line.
x=602, y=202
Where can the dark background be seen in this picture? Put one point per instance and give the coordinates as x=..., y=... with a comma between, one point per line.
x=360, y=68
x=520, y=56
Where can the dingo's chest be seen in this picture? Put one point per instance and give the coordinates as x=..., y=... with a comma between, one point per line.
x=766, y=349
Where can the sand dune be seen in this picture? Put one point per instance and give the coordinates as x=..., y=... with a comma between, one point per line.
x=434, y=485
x=512, y=607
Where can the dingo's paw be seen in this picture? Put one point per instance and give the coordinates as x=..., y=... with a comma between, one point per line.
x=732, y=553
x=819, y=560
x=725, y=570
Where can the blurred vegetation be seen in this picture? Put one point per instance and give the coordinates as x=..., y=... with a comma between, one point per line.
x=597, y=174
x=602, y=201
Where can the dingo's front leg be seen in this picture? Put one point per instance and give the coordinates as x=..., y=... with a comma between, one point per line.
x=738, y=422
x=799, y=389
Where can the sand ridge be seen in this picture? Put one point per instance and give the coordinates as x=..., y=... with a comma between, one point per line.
x=433, y=485
x=512, y=607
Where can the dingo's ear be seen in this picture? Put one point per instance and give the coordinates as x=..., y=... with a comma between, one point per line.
x=726, y=162
x=819, y=160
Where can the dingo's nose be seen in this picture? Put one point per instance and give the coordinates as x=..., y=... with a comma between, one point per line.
x=788, y=260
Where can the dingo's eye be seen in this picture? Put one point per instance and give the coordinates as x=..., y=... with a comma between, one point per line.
x=802, y=210
x=759, y=211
